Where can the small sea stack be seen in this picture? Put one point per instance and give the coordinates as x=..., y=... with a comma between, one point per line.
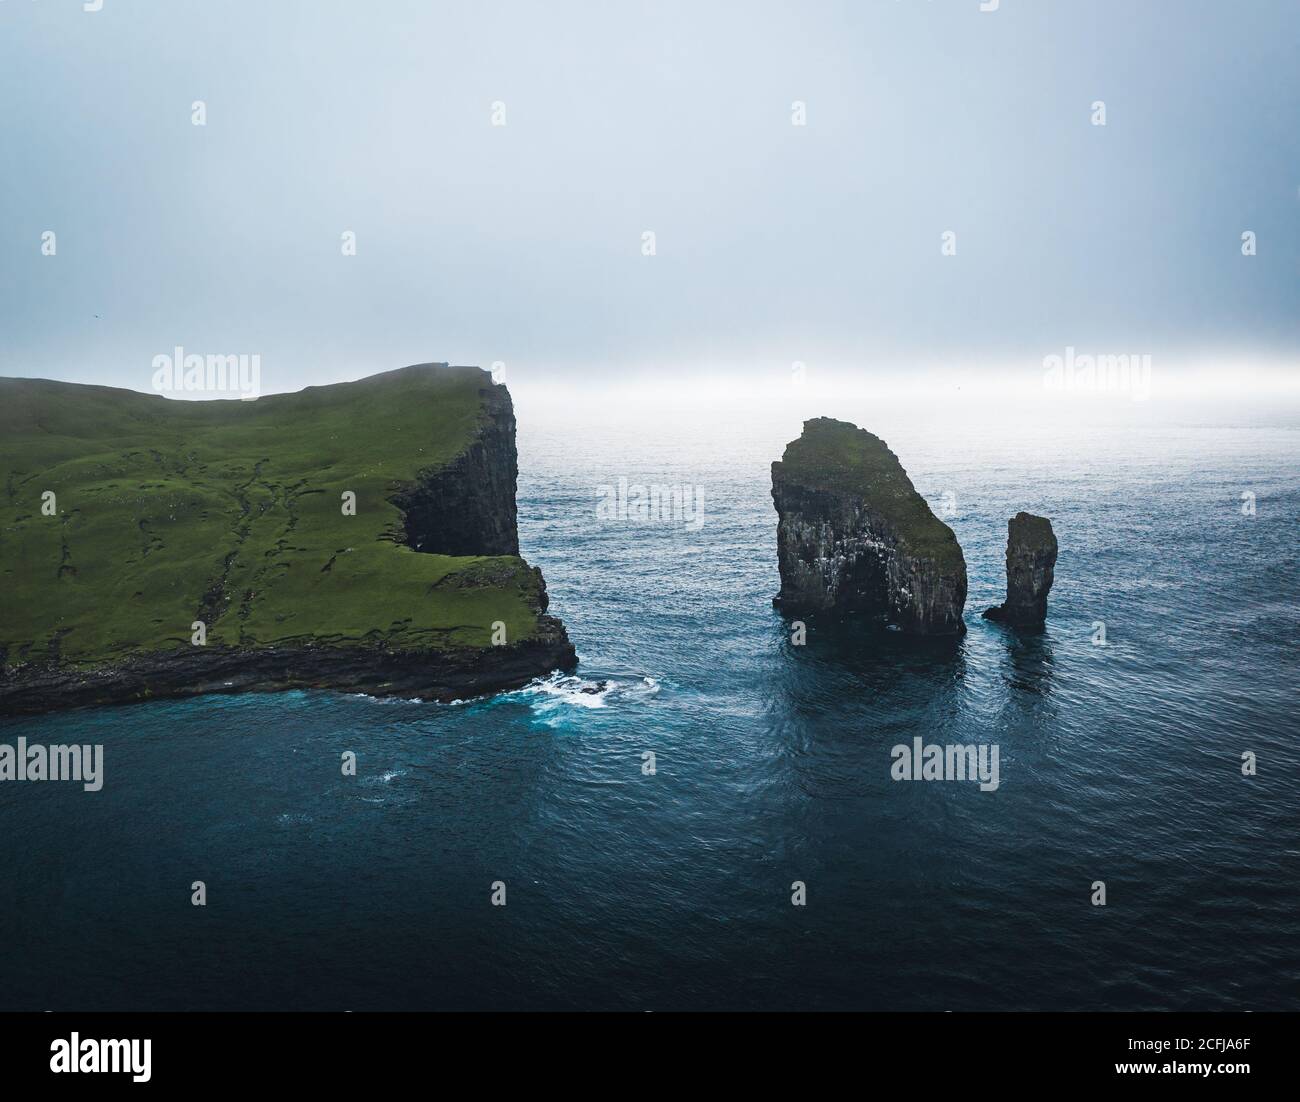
x=1031, y=563
x=855, y=538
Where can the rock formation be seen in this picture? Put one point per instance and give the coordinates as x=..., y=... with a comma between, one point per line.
x=854, y=537
x=1031, y=561
x=358, y=536
x=467, y=507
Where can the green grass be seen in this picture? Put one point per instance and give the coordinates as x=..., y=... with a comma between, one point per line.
x=159, y=501
x=842, y=458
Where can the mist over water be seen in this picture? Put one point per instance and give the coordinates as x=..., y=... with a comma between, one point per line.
x=1119, y=763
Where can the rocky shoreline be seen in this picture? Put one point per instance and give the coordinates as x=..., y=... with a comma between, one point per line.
x=432, y=675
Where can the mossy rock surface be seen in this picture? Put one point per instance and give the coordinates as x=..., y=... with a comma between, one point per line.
x=837, y=457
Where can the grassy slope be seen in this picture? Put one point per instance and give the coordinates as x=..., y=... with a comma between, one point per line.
x=837, y=456
x=154, y=495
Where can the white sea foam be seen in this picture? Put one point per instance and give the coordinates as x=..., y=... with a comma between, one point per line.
x=551, y=697
x=389, y=699
x=556, y=690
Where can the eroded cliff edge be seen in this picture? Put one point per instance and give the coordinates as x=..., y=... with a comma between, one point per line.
x=235, y=516
x=855, y=538
x=467, y=505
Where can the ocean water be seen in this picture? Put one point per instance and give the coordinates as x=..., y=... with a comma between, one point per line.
x=1118, y=763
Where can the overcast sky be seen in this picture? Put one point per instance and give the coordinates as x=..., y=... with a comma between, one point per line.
x=523, y=243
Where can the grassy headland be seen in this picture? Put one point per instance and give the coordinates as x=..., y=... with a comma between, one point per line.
x=230, y=512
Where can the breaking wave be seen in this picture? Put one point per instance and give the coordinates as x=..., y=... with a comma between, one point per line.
x=553, y=696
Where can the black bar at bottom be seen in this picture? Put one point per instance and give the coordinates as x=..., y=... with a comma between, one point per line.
x=213, y=1050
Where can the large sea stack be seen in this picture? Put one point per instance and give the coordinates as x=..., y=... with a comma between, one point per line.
x=1031, y=563
x=855, y=538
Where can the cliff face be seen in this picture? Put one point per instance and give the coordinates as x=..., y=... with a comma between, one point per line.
x=359, y=536
x=1031, y=568
x=854, y=536
x=467, y=506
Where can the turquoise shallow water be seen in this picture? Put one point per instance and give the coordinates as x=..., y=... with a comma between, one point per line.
x=1118, y=763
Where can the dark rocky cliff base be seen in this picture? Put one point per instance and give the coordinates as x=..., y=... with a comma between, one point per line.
x=855, y=538
x=1031, y=565
x=433, y=675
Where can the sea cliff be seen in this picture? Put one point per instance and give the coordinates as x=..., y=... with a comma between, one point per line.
x=360, y=536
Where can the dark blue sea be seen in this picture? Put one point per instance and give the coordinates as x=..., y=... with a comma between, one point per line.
x=1119, y=763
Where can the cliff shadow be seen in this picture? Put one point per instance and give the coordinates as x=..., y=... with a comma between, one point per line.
x=859, y=659
x=1028, y=661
